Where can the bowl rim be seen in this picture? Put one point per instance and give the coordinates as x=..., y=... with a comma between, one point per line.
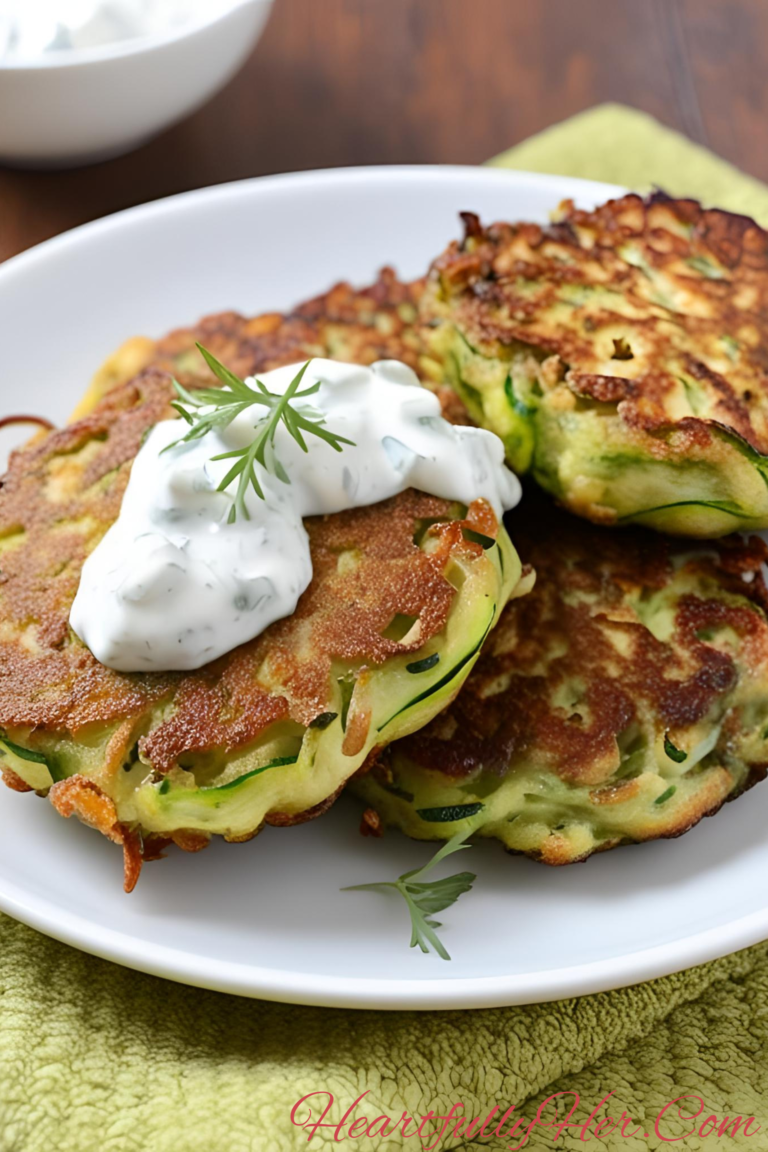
x=66, y=58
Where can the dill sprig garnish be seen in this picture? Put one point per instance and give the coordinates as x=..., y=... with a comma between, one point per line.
x=424, y=898
x=208, y=409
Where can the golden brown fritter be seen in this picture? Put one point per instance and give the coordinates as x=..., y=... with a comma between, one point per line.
x=623, y=699
x=270, y=731
x=622, y=354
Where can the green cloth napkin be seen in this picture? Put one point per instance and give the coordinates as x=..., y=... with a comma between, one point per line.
x=95, y=1058
x=623, y=146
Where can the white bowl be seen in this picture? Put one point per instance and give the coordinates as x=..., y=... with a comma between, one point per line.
x=76, y=107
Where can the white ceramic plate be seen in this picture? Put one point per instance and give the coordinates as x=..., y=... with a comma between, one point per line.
x=267, y=918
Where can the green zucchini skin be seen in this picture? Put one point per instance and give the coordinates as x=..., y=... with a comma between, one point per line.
x=450, y=813
x=34, y=768
x=452, y=675
x=587, y=458
x=605, y=472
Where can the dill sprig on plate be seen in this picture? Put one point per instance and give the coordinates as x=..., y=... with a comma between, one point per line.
x=207, y=409
x=425, y=898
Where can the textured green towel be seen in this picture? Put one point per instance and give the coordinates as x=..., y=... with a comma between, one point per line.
x=94, y=1058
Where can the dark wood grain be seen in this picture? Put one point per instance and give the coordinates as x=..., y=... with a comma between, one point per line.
x=728, y=45
x=337, y=82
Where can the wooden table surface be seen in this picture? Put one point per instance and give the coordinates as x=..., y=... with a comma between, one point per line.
x=336, y=82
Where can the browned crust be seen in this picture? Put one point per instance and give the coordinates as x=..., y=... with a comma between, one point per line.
x=371, y=823
x=702, y=276
x=52, y=681
x=289, y=819
x=15, y=782
x=81, y=797
x=358, y=325
x=133, y=857
x=190, y=839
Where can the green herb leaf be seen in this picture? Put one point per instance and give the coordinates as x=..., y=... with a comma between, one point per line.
x=675, y=754
x=214, y=408
x=666, y=795
x=425, y=898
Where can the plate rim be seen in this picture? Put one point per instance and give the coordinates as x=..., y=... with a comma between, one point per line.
x=326, y=991
x=301, y=987
x=235, y=188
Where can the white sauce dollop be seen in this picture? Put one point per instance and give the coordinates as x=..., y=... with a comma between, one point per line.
x=172, y=585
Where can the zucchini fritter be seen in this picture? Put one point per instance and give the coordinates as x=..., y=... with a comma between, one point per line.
x=623, y=699
x=402, y=597
x=621, y=354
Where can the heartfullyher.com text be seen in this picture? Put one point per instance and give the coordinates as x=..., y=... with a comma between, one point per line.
x=678, y=1119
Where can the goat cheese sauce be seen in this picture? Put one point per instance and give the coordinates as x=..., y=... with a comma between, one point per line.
x=173, y=585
